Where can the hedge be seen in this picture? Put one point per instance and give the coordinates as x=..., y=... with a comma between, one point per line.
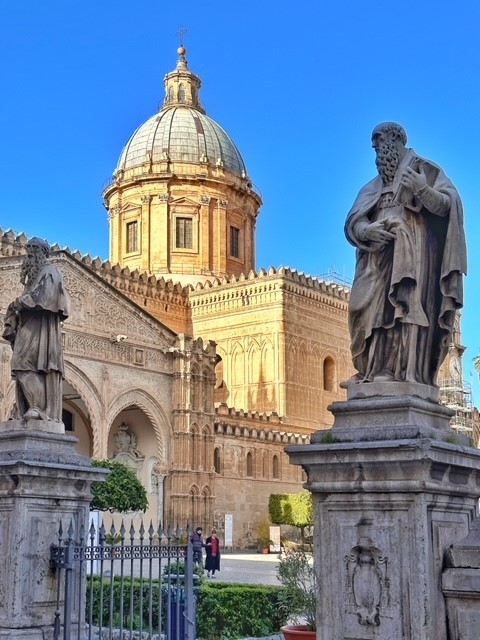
x=238, y=610
x=223, y=610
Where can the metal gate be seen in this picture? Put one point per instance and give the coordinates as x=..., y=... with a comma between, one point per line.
x=124, y=585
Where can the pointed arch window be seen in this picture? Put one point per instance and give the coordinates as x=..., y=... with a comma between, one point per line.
x=249, y=465
x=275, y=468
x=216, y=460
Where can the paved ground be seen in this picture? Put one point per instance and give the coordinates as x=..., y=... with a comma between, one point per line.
x=249, y=568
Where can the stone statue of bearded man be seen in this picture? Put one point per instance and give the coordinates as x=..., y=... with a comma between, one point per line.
x=407, y=226
x=32, y=326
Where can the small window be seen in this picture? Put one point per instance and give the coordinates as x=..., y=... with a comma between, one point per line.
x=132, y=236
x=275, y=469
x=329, y=374
x=234, y=242
x=67, y=419
x=216, y=460
x=249, y=465
x=181, y=93
x=184, y=233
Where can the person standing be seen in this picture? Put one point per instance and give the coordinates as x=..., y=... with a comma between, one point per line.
x=198, y=544
x=212, y=546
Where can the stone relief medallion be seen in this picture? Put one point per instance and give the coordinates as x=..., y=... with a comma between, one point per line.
x=367, y=582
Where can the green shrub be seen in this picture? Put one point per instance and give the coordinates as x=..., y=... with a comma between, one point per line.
x=238, y=610
x=223, y=610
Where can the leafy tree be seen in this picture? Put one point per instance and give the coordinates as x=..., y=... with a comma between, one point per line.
x=294, y=509
x=121, y=491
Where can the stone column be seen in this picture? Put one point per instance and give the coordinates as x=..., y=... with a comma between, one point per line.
x=42, y=481
x=393, y=488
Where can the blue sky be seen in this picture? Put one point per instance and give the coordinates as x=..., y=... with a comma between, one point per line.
x=298, y=86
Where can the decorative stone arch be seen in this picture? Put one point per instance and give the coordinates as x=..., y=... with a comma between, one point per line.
x=196, y=387
x=194, y=442
x=303, y=360
x=268, y=360
x=207, y=429
x=151, y=408
x=238, y=364
x=254, y=359
x=92, y=399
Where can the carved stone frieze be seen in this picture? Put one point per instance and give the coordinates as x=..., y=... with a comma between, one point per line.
x=96, y=308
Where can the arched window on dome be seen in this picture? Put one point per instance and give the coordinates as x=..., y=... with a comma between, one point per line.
x=170, y=94
x=329, y=374
x=181, y=93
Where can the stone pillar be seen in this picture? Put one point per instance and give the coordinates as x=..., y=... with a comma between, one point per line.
x=393, y=488
x=42, y=481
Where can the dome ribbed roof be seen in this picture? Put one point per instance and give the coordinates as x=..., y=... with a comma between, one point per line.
x=185, y=135
x=181, y=131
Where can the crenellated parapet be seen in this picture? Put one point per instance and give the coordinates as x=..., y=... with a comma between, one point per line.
x=267, y=286
x=252, y=425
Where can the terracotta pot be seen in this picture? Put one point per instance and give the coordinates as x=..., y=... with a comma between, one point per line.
x=298, y=632
x=265, y=550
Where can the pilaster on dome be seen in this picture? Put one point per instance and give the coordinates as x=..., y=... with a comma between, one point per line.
x=182, y=86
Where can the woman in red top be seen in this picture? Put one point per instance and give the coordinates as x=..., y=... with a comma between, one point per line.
x=212, y=545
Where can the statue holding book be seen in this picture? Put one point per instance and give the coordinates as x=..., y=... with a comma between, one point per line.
x=407, y=226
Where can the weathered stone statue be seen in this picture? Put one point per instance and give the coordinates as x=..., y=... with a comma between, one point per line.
x=32, y=326
x=407, y=225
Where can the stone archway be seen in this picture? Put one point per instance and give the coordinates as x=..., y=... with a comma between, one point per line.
x=76, y=419
x=79, y=391
x=139, y=437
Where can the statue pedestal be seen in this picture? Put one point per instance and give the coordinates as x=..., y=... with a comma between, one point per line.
x=42, y=481
x=388, y=503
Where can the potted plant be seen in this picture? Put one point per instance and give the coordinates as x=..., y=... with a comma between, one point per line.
x=263, y=536
x=299, y=598
x=264, y=544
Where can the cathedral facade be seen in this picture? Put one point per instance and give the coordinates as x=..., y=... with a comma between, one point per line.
x=181, y=359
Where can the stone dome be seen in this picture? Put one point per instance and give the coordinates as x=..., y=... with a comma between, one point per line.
x=182, y=134
x=181, y=131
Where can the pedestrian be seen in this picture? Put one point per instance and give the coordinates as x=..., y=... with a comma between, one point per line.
x=212, y=546
x=198, y=544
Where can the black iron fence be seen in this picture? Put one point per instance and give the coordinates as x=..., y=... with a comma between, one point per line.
x=124, y=584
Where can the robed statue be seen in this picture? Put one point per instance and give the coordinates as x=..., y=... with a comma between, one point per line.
x=32, y=326
x=407, y=226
